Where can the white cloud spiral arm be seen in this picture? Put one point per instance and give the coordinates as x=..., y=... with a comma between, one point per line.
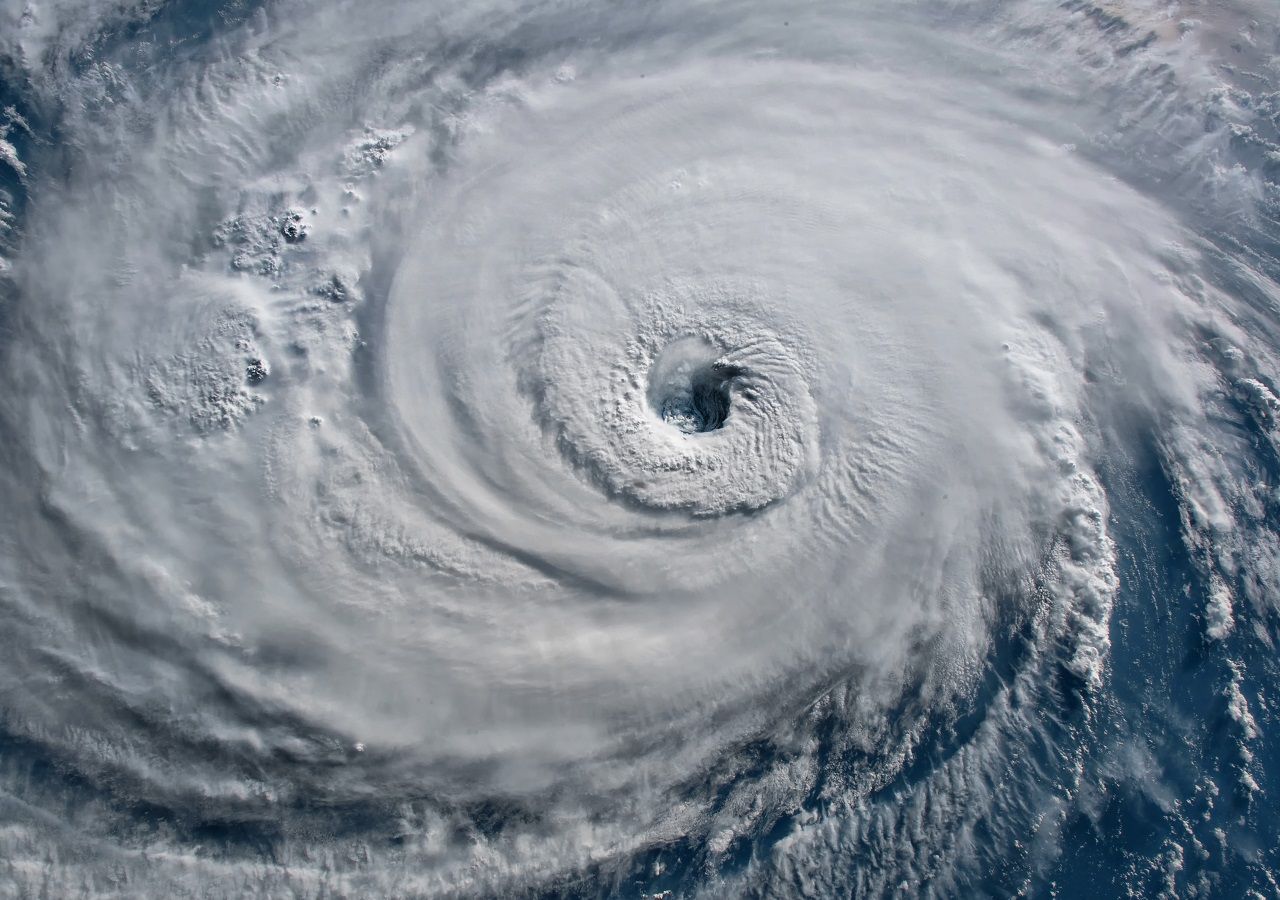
x=528, y=450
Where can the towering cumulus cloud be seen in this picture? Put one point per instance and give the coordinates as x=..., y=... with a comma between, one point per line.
x=648, y=450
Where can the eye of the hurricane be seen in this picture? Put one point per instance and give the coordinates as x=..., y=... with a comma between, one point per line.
x=690, y=386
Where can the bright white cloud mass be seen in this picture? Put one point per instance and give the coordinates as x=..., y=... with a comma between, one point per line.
x=704, y=449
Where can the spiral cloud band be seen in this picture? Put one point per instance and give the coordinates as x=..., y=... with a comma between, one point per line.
x=669, y=450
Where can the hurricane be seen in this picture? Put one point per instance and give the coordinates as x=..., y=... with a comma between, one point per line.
x=655, y=450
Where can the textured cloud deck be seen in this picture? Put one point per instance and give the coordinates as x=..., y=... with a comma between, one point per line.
x=644, y=450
